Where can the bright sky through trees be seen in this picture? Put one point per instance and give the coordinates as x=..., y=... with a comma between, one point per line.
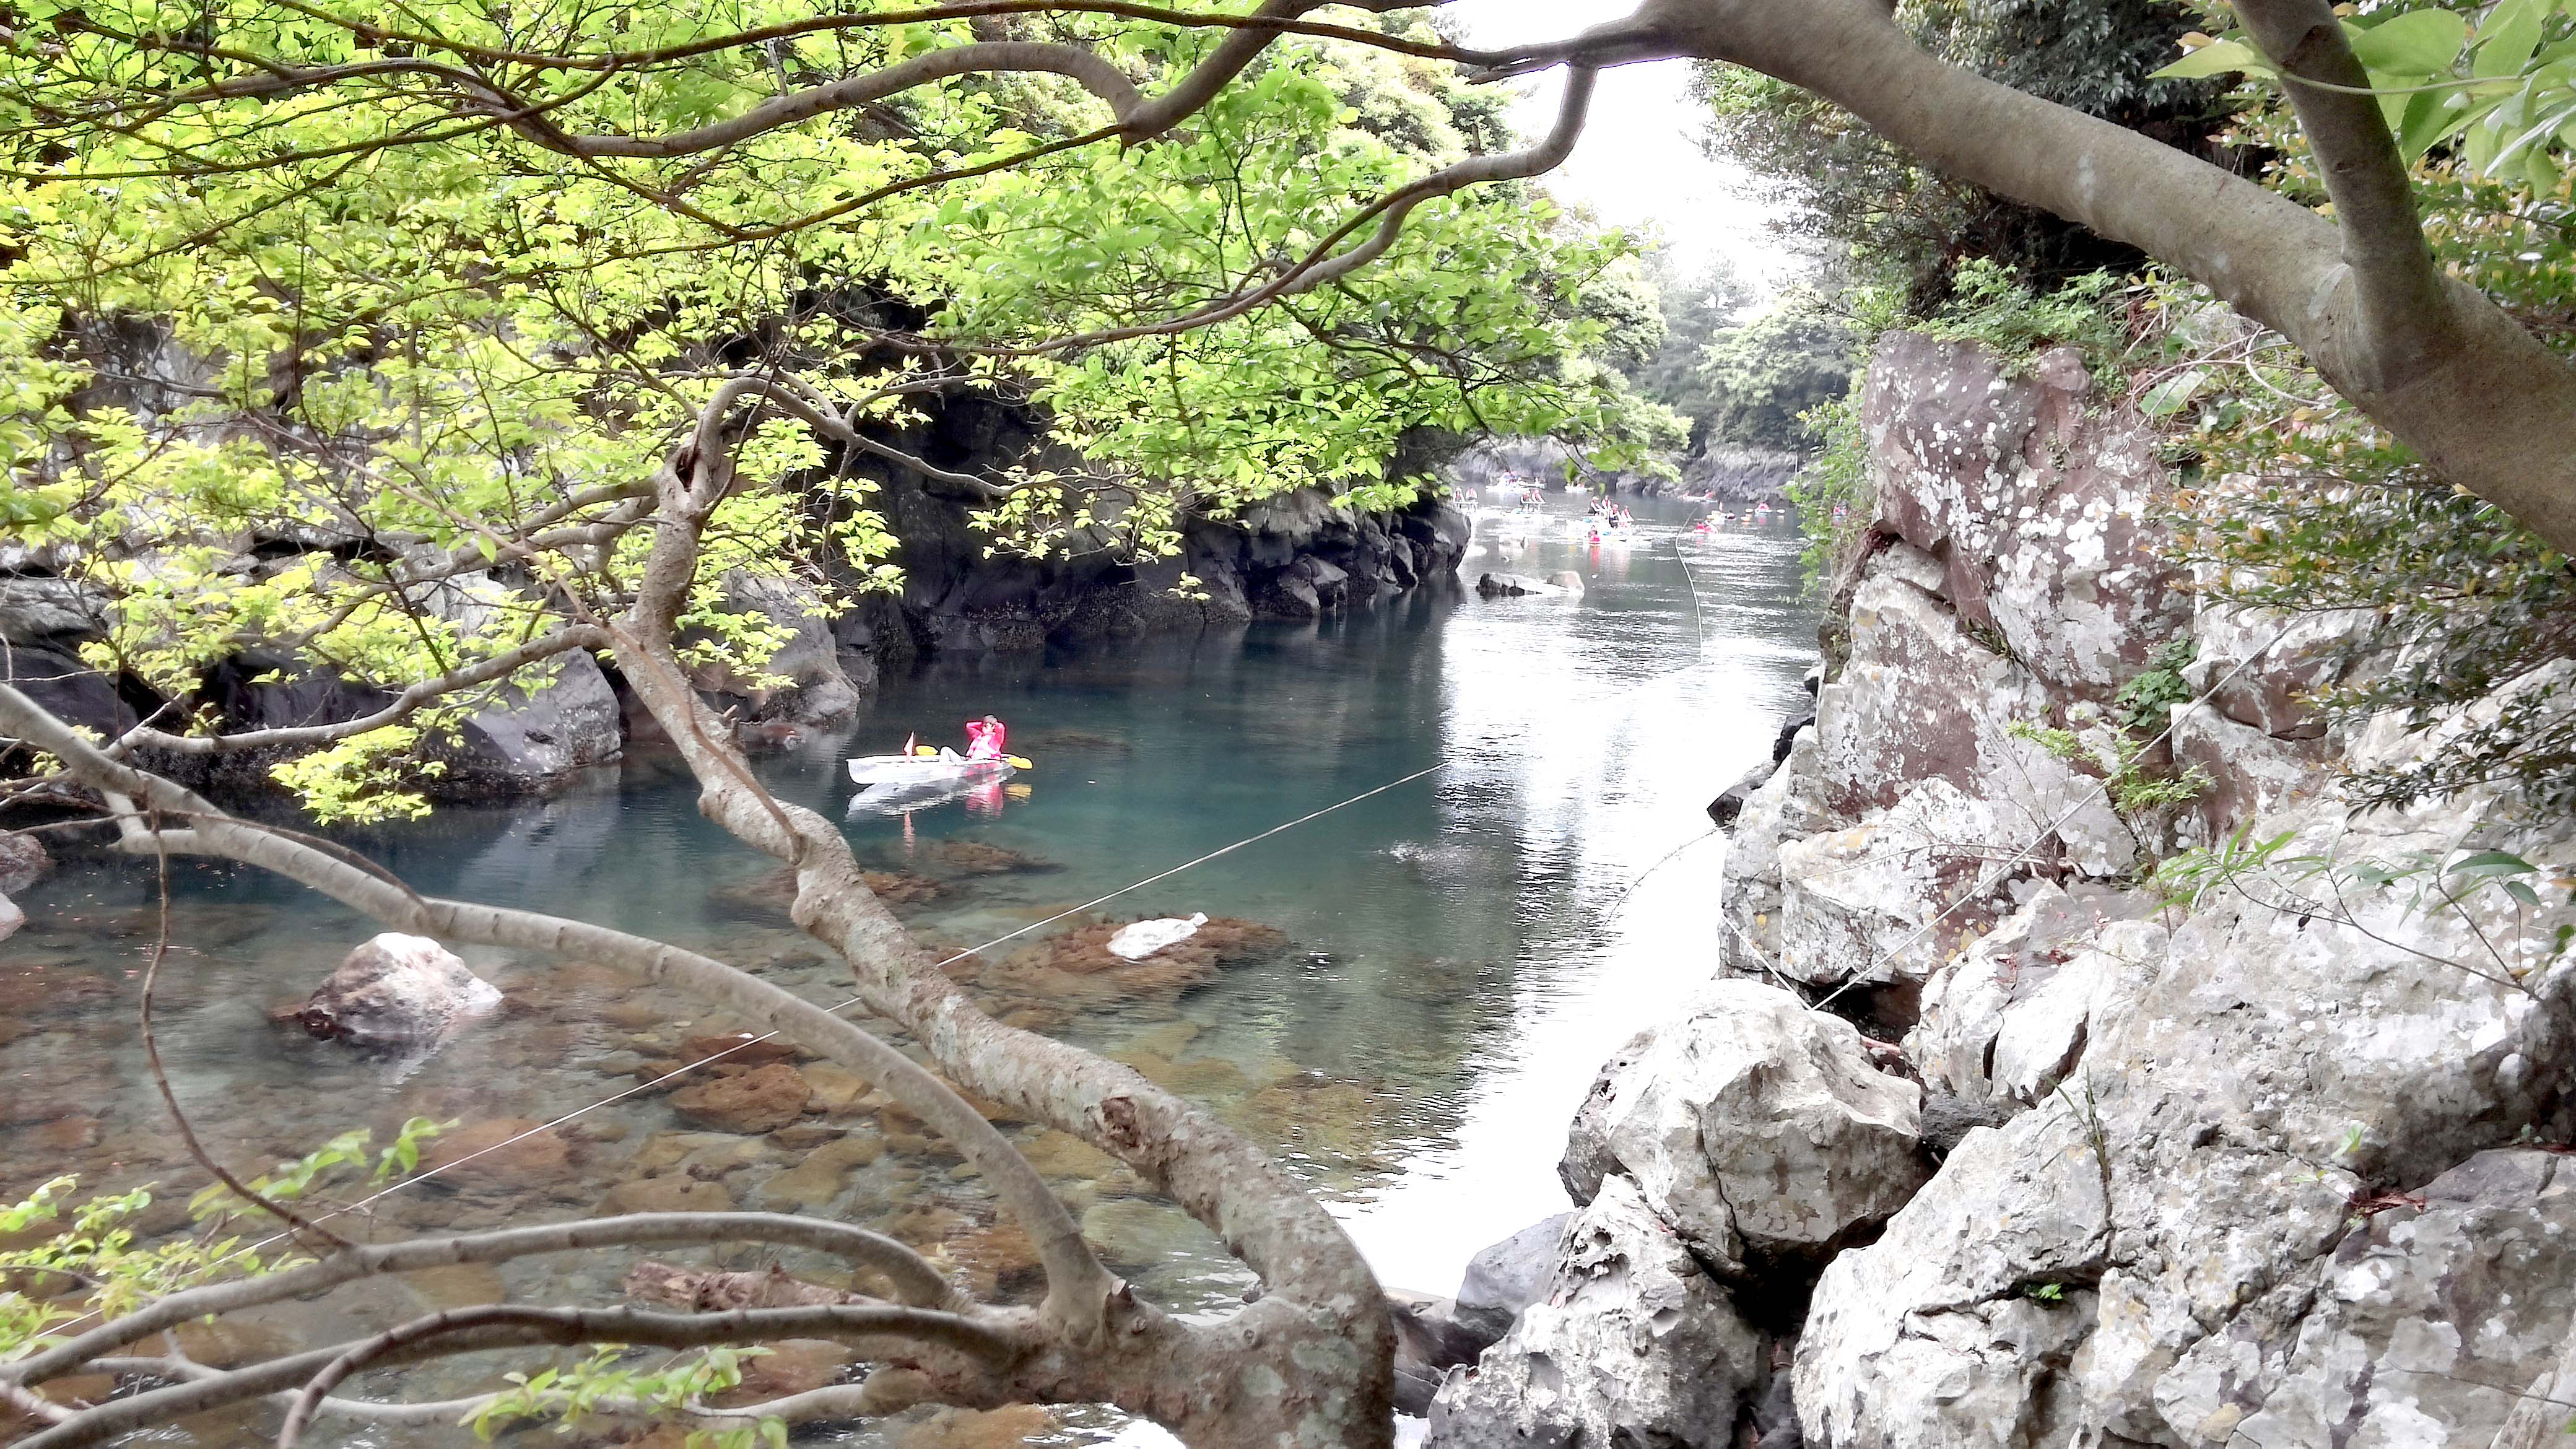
x=1639, y=164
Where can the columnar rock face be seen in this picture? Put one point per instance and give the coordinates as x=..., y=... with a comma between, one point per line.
x=2271, y=1151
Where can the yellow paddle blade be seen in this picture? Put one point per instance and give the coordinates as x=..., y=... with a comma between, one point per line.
x=927, y=752
x=1019, y=762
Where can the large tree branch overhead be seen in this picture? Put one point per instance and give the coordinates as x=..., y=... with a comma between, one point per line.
x=2428, y=357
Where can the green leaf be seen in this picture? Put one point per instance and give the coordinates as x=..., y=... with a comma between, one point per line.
x=2169, y=396
x=2491, y=863
x=2222, y=57
x=2414, y=45
x=2508, y=38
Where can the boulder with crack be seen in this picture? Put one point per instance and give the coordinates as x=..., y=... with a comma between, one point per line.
x=1757, y=1128
x=1633, y=1344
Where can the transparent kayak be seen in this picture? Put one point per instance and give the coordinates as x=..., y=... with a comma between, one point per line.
x=914, y=772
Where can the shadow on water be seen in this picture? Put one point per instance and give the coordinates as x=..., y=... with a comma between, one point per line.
x=1452, y=957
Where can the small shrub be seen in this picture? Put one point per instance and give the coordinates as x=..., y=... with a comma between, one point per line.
x=2135, y=788
x=1836, y=503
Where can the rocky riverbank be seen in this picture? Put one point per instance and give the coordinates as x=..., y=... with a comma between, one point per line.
x=1975, y=1138
x=1293, y=557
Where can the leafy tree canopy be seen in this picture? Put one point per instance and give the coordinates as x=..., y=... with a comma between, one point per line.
x=318, y=317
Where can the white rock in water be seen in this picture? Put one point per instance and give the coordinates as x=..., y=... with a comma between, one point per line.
x=1143, y=939
x=11, y=918
x=397, y=990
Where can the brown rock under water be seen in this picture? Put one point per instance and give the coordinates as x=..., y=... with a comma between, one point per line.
x=761, y=1100
x=666, y=1195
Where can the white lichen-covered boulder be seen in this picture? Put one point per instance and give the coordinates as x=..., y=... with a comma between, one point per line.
x=397, y=991
x=1632, y=1344
x=1882, y=901
x=2265, y=670
x=1956, y=1331
x=2426, y=1327
x=1923, y=699
x=2069, y=1276
x=1755, y=1126
x=2009, y=1018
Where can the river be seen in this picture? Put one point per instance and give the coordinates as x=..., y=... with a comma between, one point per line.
x=1462, y=950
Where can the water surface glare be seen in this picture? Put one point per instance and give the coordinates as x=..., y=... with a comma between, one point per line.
x=1460, y=952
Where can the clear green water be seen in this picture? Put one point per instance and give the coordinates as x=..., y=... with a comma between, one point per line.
x=1463, y=949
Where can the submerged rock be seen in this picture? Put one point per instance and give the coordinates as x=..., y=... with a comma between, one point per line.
x=1632, y=1344
x=763, y=1099
x=23, y=861
x=397, y=991
x=1511, y=586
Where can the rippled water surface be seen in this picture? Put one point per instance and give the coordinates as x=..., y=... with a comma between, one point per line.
x=1456, y=954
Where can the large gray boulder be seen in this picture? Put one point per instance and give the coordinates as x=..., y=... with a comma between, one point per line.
x=1756, y=1127
x=536, y=741
x=2112, y=1264
x=1506, y=1277
x=397, y=991
x=23, y=860
x=805, y=682
x=1435, y=1335
x=2424, y=1327
x=1633, y=1344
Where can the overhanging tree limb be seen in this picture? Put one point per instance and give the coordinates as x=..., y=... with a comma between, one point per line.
x=2434, y=361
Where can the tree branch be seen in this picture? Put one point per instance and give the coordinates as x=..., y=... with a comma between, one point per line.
x=2403, y=297
x=1070, y=1266
x=996, y=1335
x=2486, y=405
x=403, y=705
x=1319, y=1284
x=918, y=1284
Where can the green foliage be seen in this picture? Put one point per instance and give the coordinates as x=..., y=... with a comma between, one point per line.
x=1765, y=381
x=1694, y=311
x=270, y=354
x=2137, y=789
x=297, y=1180
x=1992, y=305
x=2456, y=604
x=1895, y=222
x=2493, y=84
x=1835, y=497
x=96, y=1254
x=2429, y=881
x=605, y=1383
x=2149, y=697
